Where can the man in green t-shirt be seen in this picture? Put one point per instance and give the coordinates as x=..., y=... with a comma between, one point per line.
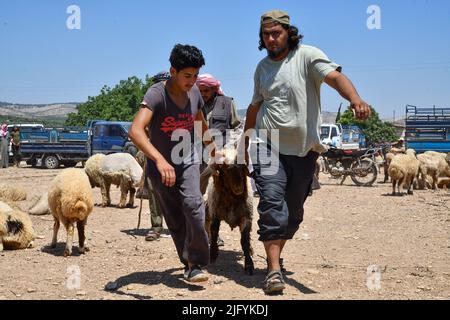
x=286, y=101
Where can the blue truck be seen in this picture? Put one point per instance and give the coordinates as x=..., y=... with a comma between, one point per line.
x=427, y=129
x=52, y=147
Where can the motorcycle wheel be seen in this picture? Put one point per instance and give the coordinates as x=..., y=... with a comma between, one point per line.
x=366, y=173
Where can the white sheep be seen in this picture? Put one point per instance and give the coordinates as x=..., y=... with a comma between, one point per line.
x=40, y=206
x=120, y=169
x=16, y=229
x=70, y=200
x=13, y=193
x=403, y=169
x=229, y=198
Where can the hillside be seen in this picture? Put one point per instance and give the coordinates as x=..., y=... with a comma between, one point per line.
x=40, y=111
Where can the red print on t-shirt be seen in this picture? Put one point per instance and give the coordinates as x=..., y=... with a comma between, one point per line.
x=184, y=121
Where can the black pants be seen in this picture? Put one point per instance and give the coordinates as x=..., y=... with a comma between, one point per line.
x=283, y=192
x=184, y=212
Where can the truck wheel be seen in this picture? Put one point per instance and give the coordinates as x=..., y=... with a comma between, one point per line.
x=51, y=162
x=132, y=150
x=70, y=164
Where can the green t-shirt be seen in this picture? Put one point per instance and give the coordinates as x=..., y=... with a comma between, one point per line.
x=15, y=136
x=290, y=92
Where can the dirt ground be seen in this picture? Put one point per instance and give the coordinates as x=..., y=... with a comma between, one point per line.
x=346, y=230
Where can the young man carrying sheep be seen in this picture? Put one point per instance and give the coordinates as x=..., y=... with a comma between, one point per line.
x=170, y=109
x=287, y=98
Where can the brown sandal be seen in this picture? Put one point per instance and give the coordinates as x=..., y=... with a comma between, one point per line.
x=274, y=283
x=152, y=236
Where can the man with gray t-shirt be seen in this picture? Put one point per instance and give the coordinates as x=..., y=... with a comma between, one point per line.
x=287, y=99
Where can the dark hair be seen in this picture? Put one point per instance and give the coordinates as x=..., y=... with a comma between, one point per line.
x=185, y=56
x=294, y=38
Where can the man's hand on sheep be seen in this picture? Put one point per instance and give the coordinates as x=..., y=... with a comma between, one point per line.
x=167, y=172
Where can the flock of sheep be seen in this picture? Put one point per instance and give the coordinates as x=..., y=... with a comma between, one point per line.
x=226, y=187
x=410, y=171
x=69, y=199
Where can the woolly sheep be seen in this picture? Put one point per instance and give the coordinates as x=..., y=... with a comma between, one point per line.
x=403, y=169
x=229, y=198
x=12, y=193
x=70, y=200
x=16, y=229
x=40, y=206
x=120, y=169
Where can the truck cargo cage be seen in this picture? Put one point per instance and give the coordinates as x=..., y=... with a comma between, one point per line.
x=428, y=129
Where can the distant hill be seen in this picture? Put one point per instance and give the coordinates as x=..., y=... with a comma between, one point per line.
x=37, y=111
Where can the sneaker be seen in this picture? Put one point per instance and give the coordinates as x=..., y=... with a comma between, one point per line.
x=274, y=283
x=195, y=275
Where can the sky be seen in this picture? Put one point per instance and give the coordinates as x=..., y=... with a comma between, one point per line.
x=404, y=61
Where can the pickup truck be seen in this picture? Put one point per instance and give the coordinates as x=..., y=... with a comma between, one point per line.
x=342, y=136
x=52, y=147
x=427, y=129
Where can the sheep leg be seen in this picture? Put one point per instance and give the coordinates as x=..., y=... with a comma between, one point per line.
x=124, y=187
x=435, y=181
x=207, y=222
x=81, y=237
x=410, y=184
x=394, y=183
x=245, y=229
x=55, y=233
x=131, y=201
x=105, y=188
x=1, y=244
x=70, y=230
x=214, y=248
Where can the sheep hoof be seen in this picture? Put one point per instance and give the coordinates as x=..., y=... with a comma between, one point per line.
x=130, y=205
x=121, y=206
x=53, y=245
x=67, y=253
x=83, y=250
x=213, y=254
x=249, y=270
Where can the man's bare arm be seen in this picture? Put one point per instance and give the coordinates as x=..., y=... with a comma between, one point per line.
x=139, y=136
x=347, y=90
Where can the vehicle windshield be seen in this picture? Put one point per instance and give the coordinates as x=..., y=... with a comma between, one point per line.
x=324, y=132
x=126, y=127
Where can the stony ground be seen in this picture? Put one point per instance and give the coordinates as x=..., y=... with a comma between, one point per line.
x=346, y=230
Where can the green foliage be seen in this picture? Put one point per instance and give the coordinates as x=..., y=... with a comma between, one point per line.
x=376, y=130
x=113, y=104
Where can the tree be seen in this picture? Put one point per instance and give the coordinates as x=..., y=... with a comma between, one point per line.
x=375, y=130
x=114, y=104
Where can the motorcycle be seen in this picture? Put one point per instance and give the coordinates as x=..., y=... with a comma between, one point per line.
x=358, y=164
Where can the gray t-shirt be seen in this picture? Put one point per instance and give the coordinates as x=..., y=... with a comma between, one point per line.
x=290, y=92
x=168, y=118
